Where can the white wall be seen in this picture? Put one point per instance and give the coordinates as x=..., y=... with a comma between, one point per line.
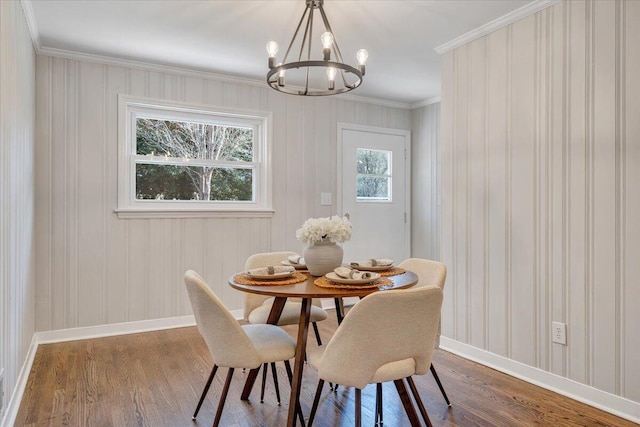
x=94, y=268
x=17, y=100
x=540, y=206
x=425, y=182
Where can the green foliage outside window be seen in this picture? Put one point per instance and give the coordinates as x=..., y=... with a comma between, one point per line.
x=194, y=141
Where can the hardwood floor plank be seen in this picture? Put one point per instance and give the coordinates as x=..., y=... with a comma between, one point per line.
x=155, y=379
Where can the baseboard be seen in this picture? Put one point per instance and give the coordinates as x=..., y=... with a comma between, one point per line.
x=112, y=329
x=602, y=400
x=16, y=397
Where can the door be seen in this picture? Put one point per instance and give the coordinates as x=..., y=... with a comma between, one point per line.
x=373, y=189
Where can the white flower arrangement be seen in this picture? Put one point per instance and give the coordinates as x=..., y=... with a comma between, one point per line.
x=333, y=229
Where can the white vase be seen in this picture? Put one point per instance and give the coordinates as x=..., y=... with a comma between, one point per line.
x=322, y=257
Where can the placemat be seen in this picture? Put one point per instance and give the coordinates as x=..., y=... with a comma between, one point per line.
x=392, y=272
x=243, y=279
x=323, y=282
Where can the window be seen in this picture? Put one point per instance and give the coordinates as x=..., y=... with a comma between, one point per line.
x=180, y=160
x=373, y=177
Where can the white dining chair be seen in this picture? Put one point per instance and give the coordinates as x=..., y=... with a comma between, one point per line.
x=430, y=273
x=257, y=307
x=231, y=345
x=387, y=336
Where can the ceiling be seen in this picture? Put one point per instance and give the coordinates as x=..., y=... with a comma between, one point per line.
x=229, y=37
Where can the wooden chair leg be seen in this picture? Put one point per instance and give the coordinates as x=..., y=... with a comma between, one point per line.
x=205, y=391
x=316, y=400
x=416, y=397
x=379, y=420
x=435, y=375
x=275, y=381
x=358, y=408
x=287, y=367
x=315, y=331
x=264, y=382
x=339, y=309
x=223, y=398
x=406, y=402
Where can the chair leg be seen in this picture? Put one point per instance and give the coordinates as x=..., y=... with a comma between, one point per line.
x=416, y=397
x=406, y=402
x=358, y=408
x=435, y=375
x=223, y=398
x=339, y=309
x=316, y=399
x=315, y=331
x=275, y=381
x=205, y=391
x=287, y=367
x=379, y=420
x=264, y=382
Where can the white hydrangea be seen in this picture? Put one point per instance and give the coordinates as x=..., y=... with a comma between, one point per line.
x=334, y=229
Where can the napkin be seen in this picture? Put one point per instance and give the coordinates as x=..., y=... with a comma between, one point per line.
x=350, y=273
x=296, y=259
x=270, y=270
x=373, y=262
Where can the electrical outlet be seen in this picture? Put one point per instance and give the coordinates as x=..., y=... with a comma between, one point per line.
x=559, y=332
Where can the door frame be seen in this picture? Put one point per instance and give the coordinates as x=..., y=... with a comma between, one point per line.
x=342, y=126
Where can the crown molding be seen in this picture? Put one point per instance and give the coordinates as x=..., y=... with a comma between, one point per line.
x=425, y=102
x=188, y=72
x=30, y=17
x=503, y=21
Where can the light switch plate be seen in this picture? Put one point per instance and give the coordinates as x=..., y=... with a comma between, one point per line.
x=325, y=199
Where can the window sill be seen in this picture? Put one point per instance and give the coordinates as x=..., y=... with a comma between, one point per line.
x=193, y=213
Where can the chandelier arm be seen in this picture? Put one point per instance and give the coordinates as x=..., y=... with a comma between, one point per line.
x=336, y=49
x=306, y=83
x=344, y=78
x=304, y=37
x=295, y=34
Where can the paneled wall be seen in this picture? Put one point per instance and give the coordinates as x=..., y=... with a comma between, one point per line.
x=425, y=182
x=94, y=268
x=540, y=205
x=17, y=100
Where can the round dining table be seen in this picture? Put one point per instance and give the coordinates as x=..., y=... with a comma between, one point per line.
x=307, y=290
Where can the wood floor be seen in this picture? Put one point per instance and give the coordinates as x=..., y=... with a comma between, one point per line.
x=155, y=378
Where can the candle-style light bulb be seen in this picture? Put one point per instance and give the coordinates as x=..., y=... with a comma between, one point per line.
x=272, y=50
x=362, y=56
x=327, y=41
x=331, y=75
x=280, y=76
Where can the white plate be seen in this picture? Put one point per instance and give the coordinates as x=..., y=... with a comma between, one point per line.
x=335, y=278
x=271, y=276
x=376, y=268
x=296, y=266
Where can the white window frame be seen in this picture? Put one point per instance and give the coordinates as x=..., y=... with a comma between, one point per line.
x=130, y=108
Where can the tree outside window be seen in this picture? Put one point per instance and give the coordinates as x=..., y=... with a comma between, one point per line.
x=186, y=142
x=373, y=174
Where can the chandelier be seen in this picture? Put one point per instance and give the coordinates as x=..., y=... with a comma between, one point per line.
x=321, y=72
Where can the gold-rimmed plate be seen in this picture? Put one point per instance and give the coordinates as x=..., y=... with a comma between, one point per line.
x=296, y=266
x=332, y=276
x=373, y=268
x=274, y=276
